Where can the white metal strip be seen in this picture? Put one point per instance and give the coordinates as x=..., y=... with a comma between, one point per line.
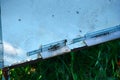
x=48, y=54
x=101, y=39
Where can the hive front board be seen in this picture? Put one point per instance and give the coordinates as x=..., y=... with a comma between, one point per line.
x=28, y=24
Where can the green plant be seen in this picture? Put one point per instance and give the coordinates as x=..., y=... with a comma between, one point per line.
x=94, y=63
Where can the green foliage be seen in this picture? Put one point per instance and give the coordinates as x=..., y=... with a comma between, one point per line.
x=93, y=63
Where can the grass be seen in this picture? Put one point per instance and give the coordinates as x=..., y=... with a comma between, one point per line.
x=94, y=63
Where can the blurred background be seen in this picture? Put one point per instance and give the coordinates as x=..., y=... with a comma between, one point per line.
x=100, y=62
